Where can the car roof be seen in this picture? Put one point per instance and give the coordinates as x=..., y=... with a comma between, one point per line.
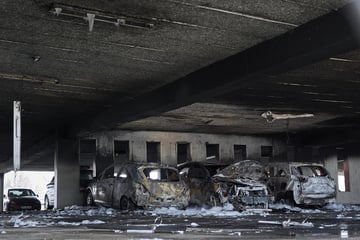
x=19, y=188
x=295, y=164
x=143, y=164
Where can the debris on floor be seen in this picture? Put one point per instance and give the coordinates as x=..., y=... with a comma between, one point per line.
x=289, y=223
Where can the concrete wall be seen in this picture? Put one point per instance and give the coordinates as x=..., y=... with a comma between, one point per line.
x=353, y=157
x=168, y=145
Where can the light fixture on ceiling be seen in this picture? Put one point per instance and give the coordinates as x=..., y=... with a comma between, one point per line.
x=29, y=78
x=92, y=16
x=36, y=58
x=271, y=117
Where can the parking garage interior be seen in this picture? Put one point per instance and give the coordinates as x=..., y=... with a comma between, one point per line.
x=171, y=81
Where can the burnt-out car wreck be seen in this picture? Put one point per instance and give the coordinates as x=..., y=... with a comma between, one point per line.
x=197, y=177
x=301, y=183
x=242, y=184
x=138, y=186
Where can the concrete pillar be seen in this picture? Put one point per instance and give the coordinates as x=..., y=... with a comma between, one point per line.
x=67, y=173
x=2, y=191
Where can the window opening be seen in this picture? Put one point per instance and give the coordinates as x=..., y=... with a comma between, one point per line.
x=183, y=152
x=212, y=152
x=121, y=153
x=239, y=152
x=87, y=160
x=267, y=152
x=87, y=153
x=153, y=152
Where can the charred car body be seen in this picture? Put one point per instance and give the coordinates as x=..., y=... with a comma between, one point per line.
x=138, y=185
x=299, y=183
x=198, y=179
x=242, y=184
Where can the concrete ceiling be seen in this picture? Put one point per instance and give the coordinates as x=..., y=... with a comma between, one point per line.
x=179, y=65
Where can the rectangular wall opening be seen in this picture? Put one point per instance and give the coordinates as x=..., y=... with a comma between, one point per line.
x=87, y=161
x=343, y=171
x=212, y=152
x=239, y=152
x=183, y=152
x=121, y=153
x=87, y=154
x=153, y=152
x=267, y=153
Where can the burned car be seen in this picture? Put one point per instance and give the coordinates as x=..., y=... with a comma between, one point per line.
x=299, y=183
x=242, y=184
x=138, y=185
x=198, y=179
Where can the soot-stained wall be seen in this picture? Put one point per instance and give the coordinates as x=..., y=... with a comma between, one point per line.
x=168, y=146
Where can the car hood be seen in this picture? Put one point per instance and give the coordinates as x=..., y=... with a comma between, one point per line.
x=246, y=172
x=239, y=180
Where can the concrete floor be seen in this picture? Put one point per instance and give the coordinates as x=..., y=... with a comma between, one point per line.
x=99, y=223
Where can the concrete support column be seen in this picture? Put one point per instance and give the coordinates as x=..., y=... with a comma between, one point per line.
x=67, y=173
x=2, y=191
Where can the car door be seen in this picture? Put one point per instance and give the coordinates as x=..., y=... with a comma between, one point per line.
x=104, y=187
x=122, y=186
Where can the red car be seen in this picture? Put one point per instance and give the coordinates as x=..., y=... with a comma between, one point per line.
x=19, y=199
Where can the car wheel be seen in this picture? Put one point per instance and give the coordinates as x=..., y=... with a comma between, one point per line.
x=89, y=199
x=47, y=203
x=288, y=198
x=124, y=203
x=280, y=197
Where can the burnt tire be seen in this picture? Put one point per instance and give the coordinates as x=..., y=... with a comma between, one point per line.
x=285, y=198
x=89, y=200
x=289, y=195
x=124, y=203
x=280, y=197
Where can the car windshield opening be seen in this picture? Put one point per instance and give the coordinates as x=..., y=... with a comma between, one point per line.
x=312, y=171
x=20, y=193
x=161, y=174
